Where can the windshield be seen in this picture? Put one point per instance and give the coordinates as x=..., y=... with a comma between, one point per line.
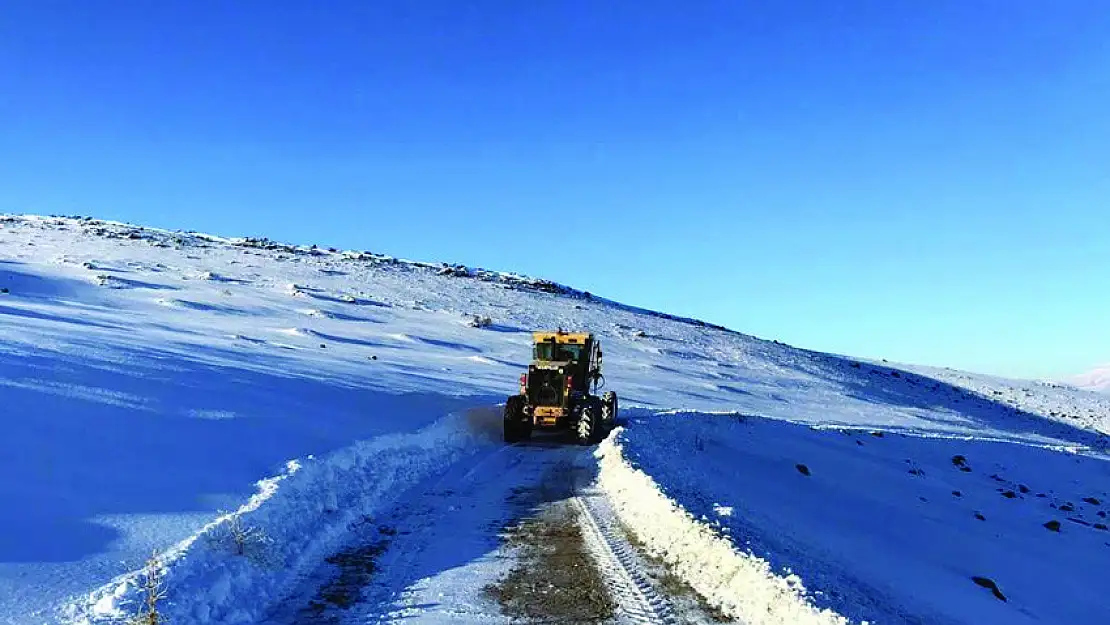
x=550, y=351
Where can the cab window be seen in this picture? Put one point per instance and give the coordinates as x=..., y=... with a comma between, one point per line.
x=544, y=351
x=569, y=352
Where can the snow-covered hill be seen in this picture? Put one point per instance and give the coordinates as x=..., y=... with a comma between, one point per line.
x=1097, y=379
x=158, y=388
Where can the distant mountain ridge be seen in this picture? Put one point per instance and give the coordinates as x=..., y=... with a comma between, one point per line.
x=1095, y=380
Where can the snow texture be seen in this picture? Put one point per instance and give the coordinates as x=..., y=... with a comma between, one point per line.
x=161, y=388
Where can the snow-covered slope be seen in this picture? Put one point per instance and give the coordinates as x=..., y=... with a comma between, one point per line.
x=1097, y=379
x=152, y=382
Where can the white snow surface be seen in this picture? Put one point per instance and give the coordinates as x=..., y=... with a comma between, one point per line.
x=156, y=386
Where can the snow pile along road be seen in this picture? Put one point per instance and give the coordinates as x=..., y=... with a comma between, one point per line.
x=739, y=584
x=244, y=562
x=878, y=526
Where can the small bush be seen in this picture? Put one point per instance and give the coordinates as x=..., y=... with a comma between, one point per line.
x=244, y=540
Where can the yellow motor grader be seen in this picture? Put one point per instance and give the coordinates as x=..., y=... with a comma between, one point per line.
x=559, y=390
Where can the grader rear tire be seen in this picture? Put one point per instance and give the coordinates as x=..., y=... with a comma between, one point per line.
x=609, y=410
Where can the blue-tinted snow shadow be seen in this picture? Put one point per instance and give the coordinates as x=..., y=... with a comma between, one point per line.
x=897, y=388
x=448, y=344
x=229, y=280
x=131, y=283
x=496, y=327
x=27, y=285
x=153, y=431
x=318, y=294
x=346, y=340
x=210, y=307
x=341, y=316
x=79, y=320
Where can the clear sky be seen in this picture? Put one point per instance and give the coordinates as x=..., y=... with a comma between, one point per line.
x=925, y=181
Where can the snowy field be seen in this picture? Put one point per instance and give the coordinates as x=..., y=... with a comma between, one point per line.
x=158, y=388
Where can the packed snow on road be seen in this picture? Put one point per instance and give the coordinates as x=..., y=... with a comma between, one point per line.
x=296, y=434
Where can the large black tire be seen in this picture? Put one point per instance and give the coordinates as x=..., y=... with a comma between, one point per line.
x=515, y=429
x=609, y=410
x=588, y=428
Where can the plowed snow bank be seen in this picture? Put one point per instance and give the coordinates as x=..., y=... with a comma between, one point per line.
x=297, y=518
x=741, y=585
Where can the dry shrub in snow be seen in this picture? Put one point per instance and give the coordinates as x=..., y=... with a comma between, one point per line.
x=244, y=540
x=154, y=591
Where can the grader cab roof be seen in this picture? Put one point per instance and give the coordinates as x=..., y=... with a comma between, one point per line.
x=574, y=338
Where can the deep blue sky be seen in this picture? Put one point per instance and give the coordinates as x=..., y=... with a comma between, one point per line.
x=926, y=181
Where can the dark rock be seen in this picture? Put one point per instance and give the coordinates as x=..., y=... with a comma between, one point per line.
x=1068, y=507
x=322, y=346
x=803, y=469
x=979, y=515
x=1100, y=526
x=957, y=493
x=1052, y=526
x=1090, y=500
x=989, y=584
x=1009, y=494
x=1023, y=488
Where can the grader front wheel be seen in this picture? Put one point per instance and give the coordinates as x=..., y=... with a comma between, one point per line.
x=516, y=428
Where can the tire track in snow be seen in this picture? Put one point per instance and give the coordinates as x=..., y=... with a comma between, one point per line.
x=636, y=598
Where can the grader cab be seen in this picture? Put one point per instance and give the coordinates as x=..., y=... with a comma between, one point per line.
x=559, y=390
